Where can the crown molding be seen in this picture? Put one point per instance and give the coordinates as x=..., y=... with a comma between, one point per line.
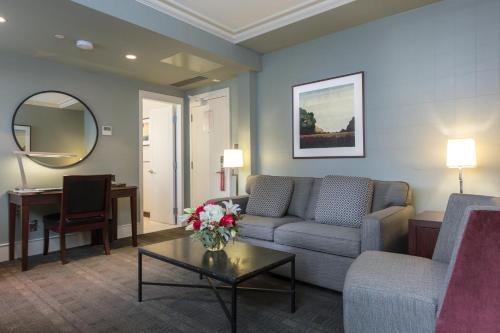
x=188, y=16
x=272, y=22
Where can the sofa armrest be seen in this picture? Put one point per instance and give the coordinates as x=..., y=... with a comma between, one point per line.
x=386, y=229
x=241, y=200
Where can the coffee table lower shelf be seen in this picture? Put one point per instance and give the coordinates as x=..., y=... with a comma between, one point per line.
x=232, y=285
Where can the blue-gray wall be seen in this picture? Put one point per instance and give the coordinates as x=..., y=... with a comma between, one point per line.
x=430, y=74
x=114, y=101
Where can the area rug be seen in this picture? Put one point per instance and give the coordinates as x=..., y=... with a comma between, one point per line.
x=98, y=293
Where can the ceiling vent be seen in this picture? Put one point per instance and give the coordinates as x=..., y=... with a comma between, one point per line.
x=189, y=81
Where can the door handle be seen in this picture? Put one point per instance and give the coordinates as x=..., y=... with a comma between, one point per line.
x=151, y=172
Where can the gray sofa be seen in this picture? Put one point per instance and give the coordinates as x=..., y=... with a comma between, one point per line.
x=324, y=252
x=392, y=293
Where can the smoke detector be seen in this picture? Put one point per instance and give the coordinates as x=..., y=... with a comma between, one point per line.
x=84, y=45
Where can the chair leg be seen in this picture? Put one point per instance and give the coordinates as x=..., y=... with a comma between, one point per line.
x=45, y=241
x=62, y=247
x=105, y=239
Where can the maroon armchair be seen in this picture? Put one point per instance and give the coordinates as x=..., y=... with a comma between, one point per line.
x=472, y=300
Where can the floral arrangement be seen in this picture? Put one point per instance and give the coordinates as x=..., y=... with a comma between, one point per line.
x=213, y=225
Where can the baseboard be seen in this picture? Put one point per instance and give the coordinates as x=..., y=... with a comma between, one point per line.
x=35, y=246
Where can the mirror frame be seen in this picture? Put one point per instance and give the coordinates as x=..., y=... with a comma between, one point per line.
x=70, y=95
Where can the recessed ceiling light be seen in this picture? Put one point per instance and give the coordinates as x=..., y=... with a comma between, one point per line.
x=3, y=19
x=84, y=45
x=215, y=80
x=131, y=56
x=59, y=36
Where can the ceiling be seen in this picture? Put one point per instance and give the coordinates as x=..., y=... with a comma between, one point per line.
x=261, y=25
x=269, y=25
x=331, y=21
x=52, y=100
x=31, y=27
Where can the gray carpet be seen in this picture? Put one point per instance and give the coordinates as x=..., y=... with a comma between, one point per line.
x=97, y=293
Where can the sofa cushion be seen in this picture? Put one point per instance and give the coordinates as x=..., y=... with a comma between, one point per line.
x=390, y=193
x=250, y=185
x=332, y=239
x=261, y=227
x=270, y=196
x=300, y=196
x=388, y=292
x=313, y=199
x=344, y=200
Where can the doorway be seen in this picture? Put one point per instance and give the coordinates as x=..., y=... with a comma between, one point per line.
x=210, y=134
x=160, y=162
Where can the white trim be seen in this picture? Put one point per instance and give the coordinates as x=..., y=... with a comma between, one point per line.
x=35, y=246
x=266, y=24
x=179, y=149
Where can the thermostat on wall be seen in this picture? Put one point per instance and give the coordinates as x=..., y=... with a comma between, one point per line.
x=107, y=130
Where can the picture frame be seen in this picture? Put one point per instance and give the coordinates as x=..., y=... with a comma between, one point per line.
x=23, y=136
x=146, y=126
x=328, y=118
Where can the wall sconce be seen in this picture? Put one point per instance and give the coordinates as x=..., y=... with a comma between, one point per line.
x=461, y=154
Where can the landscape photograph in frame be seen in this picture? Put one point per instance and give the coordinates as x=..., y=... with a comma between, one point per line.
x=328, y=118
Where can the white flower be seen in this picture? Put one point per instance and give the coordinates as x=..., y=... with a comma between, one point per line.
x=212, y=213
x=185, y=217
x=231, y=208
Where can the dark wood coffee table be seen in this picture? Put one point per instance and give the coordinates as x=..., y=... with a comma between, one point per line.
x=237, y=263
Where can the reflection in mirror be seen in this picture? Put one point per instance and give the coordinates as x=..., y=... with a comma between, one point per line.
x=58, y=123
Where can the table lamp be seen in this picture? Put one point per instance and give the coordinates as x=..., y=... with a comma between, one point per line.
x=19, y=154
x=461, y=154
x=233, y=159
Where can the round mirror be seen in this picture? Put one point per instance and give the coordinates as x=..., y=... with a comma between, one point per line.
x=58, y=123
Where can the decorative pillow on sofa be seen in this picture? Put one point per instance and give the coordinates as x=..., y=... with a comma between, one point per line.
x=270, y=196
x=344, y=201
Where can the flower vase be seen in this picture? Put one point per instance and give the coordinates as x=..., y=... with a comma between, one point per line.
x=214, y=244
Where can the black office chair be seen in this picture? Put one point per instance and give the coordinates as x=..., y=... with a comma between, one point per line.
x=84, y=207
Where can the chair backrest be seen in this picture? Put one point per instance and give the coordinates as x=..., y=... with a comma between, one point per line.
x=454, y=219
x=85, y=197
x=470, y=301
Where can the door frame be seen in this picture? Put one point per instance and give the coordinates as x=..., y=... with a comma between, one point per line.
x=194, y=101
x=179, y=149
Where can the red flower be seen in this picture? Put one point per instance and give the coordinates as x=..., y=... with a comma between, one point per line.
x=210, y=203
x=199, y=210
x=227, y=220
x=197, y=225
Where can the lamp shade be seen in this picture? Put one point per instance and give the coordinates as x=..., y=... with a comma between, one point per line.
x=461, y=153
x=233, y=158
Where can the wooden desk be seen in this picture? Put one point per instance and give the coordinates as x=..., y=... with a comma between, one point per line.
x=423, y=233
x=26, y=200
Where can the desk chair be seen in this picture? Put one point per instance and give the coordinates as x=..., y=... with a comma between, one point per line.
x=84, y=207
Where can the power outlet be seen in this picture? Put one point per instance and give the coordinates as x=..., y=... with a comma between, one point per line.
x=33, y=225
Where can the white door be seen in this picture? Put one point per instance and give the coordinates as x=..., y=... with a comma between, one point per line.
x=210, y=135
x=159, y=171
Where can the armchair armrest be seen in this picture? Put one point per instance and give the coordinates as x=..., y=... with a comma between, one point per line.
x=241, y=200
x=386, y=229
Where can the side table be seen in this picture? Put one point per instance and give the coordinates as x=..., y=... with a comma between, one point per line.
x=423, y=233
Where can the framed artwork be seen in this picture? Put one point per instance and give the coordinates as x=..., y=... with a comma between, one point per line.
x=23, y=136
x=328, y=118
x=146, y=126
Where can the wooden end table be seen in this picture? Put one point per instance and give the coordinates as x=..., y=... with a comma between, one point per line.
x=423, y=233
